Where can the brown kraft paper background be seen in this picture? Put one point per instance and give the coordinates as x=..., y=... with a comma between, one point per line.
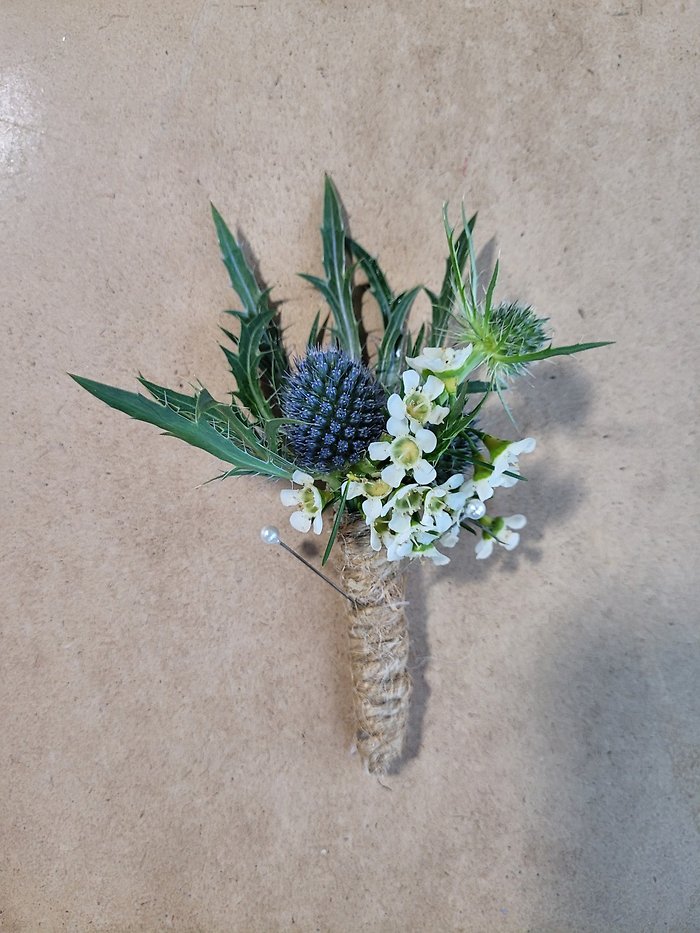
x=175, y=697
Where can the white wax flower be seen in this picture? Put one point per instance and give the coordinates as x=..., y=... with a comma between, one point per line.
x=373, y=490
x=504, y=456
x=442, y=506
x=417, y=407
x=447, y=363
x=309, y=502
x=503, y=531
x=381, y=535
x=405, y=452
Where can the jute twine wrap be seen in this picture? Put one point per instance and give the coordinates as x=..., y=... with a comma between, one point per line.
x=378, y=647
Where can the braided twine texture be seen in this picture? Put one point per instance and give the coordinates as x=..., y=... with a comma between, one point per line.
x=378, y=636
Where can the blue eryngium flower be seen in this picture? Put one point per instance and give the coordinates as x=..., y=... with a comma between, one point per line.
x=342, y=405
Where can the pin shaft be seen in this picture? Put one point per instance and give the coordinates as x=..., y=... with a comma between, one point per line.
x=316, y=571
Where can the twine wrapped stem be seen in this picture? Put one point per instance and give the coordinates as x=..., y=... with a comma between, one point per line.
x=378, y=636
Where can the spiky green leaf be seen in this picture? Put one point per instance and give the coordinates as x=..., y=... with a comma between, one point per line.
x=337, y=286
x=240, y=273
x=263, y=359
x=317, y=332
x=197, y=433
x=378, y=285
x=389, y=355
x=452, y=283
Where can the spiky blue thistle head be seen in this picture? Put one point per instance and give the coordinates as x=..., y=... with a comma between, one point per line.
x=342, y=405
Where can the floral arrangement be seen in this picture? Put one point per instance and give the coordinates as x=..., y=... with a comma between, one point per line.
x=378, y=436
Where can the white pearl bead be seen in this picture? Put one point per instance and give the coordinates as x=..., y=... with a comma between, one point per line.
x=475, y=509
x=270, y=534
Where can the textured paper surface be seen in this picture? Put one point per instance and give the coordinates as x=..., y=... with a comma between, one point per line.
x=175, y=698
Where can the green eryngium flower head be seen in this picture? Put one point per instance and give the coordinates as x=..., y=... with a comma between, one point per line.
x=512, y=330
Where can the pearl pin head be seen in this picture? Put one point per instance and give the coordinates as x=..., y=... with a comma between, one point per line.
x=475, y=509
x=270, y=534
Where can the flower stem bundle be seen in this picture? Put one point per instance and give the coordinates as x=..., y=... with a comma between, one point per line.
x=379, y=438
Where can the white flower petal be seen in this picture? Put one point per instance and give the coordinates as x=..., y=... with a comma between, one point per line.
x=393, y=474
x=379, y=450
x=484, y=548
x=301, y=478
x=453, y=482
x=410, y=380
x=455, y=501
x=416, y=362
x=427, y=441
x=433, y=387
x=437, y=558
x=301, y=521
x=438, y=414
x=372, y=509
x=354, y=488
x=511, y=541
x=400, y=523
x=451, y=537
x=318, y=524
x=400, y=549
x=395, y=406
x=426, y=536
x=289, y=496
x=423, y=472
x=483, y=489
x=515, y=521
x=440, y=359
x=443, y=521
x=397, y=427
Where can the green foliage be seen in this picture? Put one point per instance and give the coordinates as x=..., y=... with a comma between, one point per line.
x=336, y=287
x=452, y=284
x=192, y=423
x=510, y=336
x=317, y=332
x=551, y=351
x=394, y=309
x=246, y=433
x=336, y=524
x=259, y=360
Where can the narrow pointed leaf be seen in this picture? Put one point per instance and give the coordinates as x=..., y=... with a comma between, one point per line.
x=388, y=360
x=378, y=285
x=336, y=523
x=204, y=403
x=240, y=273
x=489, y=293
x=338, y=281
x=553, y=351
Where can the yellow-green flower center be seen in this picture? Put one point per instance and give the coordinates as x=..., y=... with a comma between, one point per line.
x=307, y=500
x=409, y=502
x=377, y=488
x=381, y=524
x=436, y=502
x=417, y=406
x=405, y=451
